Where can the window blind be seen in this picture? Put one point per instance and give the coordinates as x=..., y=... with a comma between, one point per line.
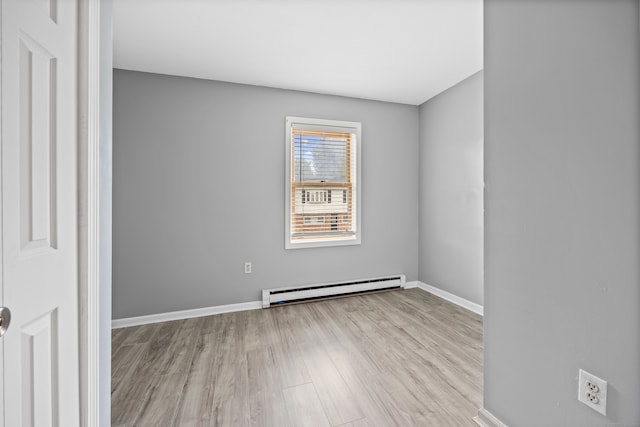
x=322, y=184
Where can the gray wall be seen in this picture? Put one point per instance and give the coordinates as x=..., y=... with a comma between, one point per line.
x=451, y=190
x=562, y=209
x=199, y=189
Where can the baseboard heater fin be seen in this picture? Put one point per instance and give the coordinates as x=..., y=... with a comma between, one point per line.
x=297, y=294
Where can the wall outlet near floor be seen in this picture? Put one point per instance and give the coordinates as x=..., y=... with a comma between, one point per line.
x=247, y=268
x=592, y=391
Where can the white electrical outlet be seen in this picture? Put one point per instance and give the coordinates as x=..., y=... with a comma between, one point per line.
x=592, y=391
x=247, y=268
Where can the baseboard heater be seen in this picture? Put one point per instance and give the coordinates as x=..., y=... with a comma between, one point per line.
x=297, y=294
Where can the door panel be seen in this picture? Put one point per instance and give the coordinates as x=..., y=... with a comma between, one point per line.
x=39, y=212
x=39, y=382
x=37, y=134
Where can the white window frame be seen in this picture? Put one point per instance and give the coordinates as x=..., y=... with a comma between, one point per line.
x=329, y=126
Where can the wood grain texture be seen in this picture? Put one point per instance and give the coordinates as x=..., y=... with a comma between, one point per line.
x=304, y=407
x=402, y=358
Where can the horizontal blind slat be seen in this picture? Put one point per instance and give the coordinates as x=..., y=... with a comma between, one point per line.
x=322, y=192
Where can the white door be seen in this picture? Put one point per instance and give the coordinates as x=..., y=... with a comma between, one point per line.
x=39, y=212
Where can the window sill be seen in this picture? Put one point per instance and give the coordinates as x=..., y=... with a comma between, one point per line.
x=320, y=243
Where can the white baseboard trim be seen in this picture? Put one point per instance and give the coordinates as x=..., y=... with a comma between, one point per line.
x=471, y=306
x=184, y=314
x=487, y=419
x=412, y=284
x=254, y=305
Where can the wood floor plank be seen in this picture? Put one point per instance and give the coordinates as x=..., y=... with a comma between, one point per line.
x=266, y=400
x=162, y=402
x=363, y=422
x=336, y=397
x=230, y=412
x=143, y=333
x=117, y=337
x=402, y=358
x=287, y=346
x=130, y=399
x=304, y=407
x=372, y=400
x=196, y=403
x=123, y=363
x=356, y=367
x=268, y=408
x=256, y=329
x=182, y=347
x=230, y=392
x=230, y=363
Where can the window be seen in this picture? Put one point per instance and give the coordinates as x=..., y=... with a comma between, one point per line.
x=322, y=183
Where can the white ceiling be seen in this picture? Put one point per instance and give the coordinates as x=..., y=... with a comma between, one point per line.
x=403, y=51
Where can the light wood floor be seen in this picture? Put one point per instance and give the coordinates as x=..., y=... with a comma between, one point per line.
x=404, y=358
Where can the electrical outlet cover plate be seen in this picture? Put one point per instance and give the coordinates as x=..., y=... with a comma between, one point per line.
x=592, y=391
